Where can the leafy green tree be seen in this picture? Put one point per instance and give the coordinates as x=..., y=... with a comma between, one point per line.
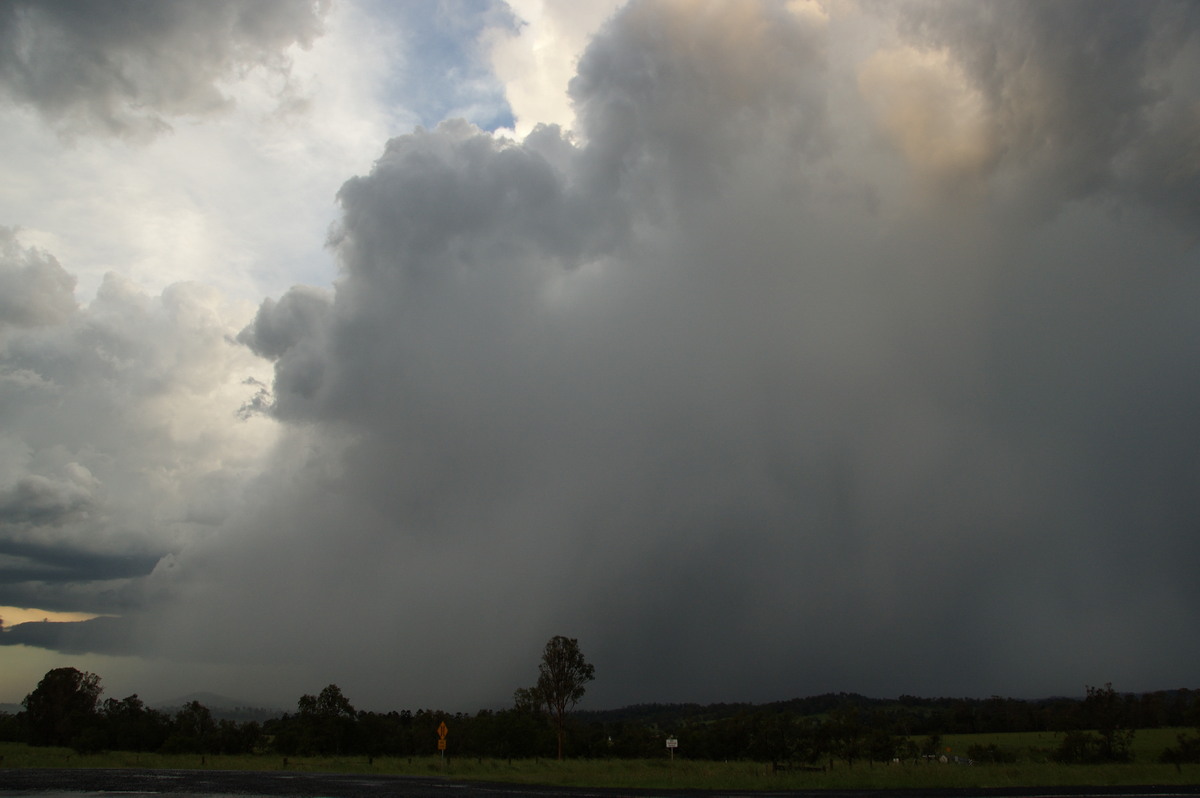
x=562, y=679
x=909, y=749
x=193, y=730
x=1104, y=709
x=880, y=745
x=782, y=738
x=524, y=726
x=62, y=709
x=1187, y=749
x=10, y=728
x=931, y=746
x=527, y=699
x=1100, y=735
x=328, y=721
x=990, y=753
x=1078, y=747
x=236, y=738
x=130, y=726
x=847, y=734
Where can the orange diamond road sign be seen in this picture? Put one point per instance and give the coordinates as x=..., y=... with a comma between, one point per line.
x=442, y=730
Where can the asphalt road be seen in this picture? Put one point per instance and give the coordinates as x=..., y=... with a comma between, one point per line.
x=79, y=783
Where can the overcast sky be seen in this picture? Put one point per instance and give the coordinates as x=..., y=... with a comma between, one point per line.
x=767, y=348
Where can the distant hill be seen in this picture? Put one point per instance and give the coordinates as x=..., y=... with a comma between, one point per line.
x=916, y=715
x=669, y=714
x=210, y=700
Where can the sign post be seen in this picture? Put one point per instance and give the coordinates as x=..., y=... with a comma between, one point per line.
x=672, y=744
x=441, y=730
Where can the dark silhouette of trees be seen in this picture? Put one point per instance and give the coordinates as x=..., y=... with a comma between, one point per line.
x=1104, y=711
x=62, y=709
x=562, y=679
x=1187, y=749
x=65, y=709
x=991, y=753
x=328, y=721
x=780, y=737
x=193, y=730
x=846, y=734
x=880, y=744
x=11, y=730
x=232, y=737
x=527, y=699
x=520, y=731
x=130, y=726
x=1100, y=734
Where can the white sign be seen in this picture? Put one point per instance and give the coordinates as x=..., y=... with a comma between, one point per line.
x=672, y=742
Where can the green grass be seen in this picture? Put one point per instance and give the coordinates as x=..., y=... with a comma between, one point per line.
x=1037, y=746
x=1029, y=770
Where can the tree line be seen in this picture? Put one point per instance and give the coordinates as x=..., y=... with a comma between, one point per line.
x=65, y=710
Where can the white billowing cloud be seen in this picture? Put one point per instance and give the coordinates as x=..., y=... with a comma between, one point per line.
x=34, y=288
x=122, y=435
x=239, y=196
x=538, y=59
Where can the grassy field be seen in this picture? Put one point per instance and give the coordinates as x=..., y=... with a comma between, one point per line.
x=1036, y=746
x=1031, y=768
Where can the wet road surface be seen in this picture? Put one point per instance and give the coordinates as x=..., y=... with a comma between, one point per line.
x=85, y=783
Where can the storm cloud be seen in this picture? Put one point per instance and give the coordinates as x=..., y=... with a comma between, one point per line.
x=744, y=416
x=123, y=68
x=836, y=347
x=118, y=441
x=101, y=635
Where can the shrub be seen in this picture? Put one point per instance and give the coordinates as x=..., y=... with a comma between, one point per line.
x=990, y=753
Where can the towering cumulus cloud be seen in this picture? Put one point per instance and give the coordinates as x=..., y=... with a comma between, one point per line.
x=1074, y=98
x=730, y=389
x=837, y=347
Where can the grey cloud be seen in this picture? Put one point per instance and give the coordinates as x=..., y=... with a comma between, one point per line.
x=112, y=636
x=440, y=208
x=716, y=390
x=42, y=500
x=680, y=392
x=120, y=434
x=1083, y=98
x=46, y=562
x=122, y=68
x=262, y=402
x=660, y=100
x=290, y=333
x=34, y=288
x=50, y=573
x=456, y=196
x=281, y=325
